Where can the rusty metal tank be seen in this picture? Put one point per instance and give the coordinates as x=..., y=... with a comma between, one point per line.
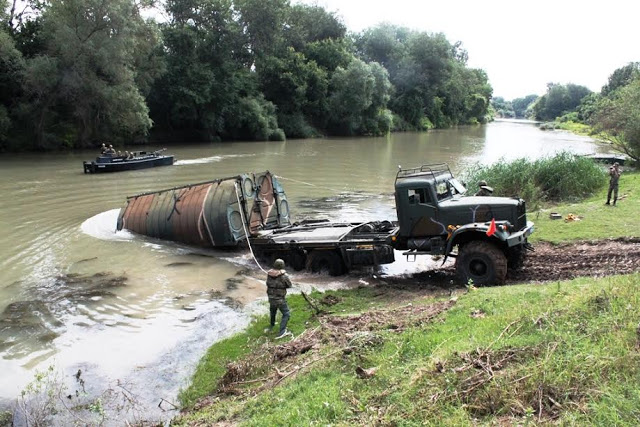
x=216, y=213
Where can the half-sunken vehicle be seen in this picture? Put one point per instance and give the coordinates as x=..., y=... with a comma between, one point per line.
x=136, y=160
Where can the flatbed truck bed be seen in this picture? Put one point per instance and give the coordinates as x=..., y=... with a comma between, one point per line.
x=323, y=246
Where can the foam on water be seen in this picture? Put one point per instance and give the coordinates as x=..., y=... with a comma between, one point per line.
x=103, y=226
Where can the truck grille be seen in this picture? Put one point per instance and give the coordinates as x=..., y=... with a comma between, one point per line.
x=522, y=215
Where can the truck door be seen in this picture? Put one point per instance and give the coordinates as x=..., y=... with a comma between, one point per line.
x=422, y=214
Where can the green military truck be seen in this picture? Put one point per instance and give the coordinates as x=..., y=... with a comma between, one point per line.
x=486, y=235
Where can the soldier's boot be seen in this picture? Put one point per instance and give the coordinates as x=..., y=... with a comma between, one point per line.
x=615, y=199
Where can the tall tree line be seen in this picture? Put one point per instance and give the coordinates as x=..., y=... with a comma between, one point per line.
x=74, y=73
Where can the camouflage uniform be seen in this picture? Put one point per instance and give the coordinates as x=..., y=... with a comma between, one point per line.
x=614, y=174
x=484, y=189
x=277, y=284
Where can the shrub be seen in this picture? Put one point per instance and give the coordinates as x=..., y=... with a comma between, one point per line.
x=563, y=177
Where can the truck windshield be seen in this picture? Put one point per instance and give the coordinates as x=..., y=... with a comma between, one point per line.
x=442, y=190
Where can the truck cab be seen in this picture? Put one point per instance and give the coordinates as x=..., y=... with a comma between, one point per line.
x=436, y=217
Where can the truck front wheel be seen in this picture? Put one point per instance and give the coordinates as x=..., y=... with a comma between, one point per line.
x=481, y=262
x=326, y=261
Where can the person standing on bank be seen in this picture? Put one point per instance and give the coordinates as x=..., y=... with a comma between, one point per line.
x=614, y=177
x=277, y=284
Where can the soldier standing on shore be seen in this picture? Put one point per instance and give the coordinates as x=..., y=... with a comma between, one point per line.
x=277, y=284
x=614, y=177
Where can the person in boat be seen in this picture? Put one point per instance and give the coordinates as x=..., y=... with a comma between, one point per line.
x=103, y=149
x=484, y=190
x=277, y=284
x=110, y=150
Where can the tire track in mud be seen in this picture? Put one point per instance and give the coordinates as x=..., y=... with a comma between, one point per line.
x=567, y=261
x=549, y=263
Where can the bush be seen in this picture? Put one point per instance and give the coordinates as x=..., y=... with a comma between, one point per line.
x=563, y=177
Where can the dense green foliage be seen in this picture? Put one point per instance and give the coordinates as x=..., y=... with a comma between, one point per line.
x=433, y=86
x=564, y=176
x=619, y=116
x=74, y=74
x=82, y=75
x=598, y=221
x=621, y=77
x=522, y=106
x=519, y=108
x=503, y=108
x=559, y=100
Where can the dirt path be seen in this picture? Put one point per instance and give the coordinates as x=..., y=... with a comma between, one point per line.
x=547, y=263
x=595, y=259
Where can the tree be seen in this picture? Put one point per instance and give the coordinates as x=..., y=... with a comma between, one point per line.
x=621, y=77
x=359, y=95
x=11, y=82
x=433, y=85
x=308, y=24
x=209, y=91
x=83, y=87
x=559, y=100
x=521, y=105
x=619, y=117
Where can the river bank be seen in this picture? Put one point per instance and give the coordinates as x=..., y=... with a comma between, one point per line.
x=417, y=349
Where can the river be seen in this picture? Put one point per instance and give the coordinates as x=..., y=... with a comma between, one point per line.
x=134, y=315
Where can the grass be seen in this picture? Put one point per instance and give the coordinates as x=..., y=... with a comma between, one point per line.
x=213, y=364
x=597, y=221
x=564, y=352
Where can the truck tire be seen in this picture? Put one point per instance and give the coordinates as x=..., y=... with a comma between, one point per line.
x=515, y=257
x=481, y=262
x=297, y=260
x=328, y=261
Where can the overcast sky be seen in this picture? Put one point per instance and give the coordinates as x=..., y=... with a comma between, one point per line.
x=521, y=45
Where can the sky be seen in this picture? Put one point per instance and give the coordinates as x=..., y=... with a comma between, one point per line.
x=521, y=45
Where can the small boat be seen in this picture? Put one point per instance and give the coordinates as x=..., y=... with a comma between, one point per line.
x=137, y=160
x=607, y=158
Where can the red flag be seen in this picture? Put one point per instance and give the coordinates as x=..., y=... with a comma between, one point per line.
x=492, y=228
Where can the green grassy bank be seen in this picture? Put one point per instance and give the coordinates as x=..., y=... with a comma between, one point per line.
x=563, y=352
x=596, y=220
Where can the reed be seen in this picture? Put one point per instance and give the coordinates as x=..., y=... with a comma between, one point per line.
x=560, y=178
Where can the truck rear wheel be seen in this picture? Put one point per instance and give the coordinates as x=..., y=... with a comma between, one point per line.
x=481, y=262
x=328, y=261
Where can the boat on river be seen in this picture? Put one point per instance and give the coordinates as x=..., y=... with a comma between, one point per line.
x=137, y=160
x=607, y=158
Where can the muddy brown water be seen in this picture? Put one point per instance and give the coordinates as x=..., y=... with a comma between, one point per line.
x=76, y=295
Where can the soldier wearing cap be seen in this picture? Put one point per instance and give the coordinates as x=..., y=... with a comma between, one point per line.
x=484, y=190
x=277, y=284
x=614, y=177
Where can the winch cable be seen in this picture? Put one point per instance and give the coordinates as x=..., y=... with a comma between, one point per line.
x=246, y=232
x=310, y=184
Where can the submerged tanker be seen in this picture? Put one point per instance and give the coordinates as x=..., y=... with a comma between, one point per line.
x=219, y=213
